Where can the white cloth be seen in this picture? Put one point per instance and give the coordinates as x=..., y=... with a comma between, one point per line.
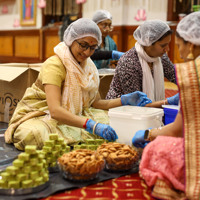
x=81, y=82
x=153, y=86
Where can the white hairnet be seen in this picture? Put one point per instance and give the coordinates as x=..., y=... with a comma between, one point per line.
x=150, y=32
x=82, y=27
x=101, y=15
x=189, y=28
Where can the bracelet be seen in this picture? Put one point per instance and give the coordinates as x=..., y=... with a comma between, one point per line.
x=84, y=125
x=93, y=132
x=150, y=138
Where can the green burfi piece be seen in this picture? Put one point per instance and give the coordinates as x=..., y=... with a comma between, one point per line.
x=67, y=148
x=30, y=149
x=83, y=146
x=55, y=153
x=49, y=143
x=6, y=176
x=46, y=149
x=33, y=161
x=60, y=141
x=57, y=147
x=53, y=164
x=40, y=166
x=39, y=180
x=27, y=183
x=18, y=163
x=53, y=136
x=42, y=172
x=45, y=177
x=99, y=141
x=90, y=141
x=34, y=174
x=14, y=184
x=22, y=177
x=91, y=147
x=23, y=156
x=77, y=147
x=27, y=169
x=12, y=170
x=3, y=184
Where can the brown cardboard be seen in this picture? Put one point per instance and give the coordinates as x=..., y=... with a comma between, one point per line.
x=13, y=83
x=104, y=85
x=14, y=80
x=105, y=76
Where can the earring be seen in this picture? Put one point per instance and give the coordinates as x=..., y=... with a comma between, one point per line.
x=190, y=55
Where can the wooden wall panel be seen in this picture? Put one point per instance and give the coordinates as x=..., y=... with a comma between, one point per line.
x=27, y=46
x=6, y=45
x=50, y=42
x=37, y=45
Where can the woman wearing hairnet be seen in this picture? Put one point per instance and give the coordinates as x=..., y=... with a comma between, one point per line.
x=144, y=67
x=171, y=161
x=107, y=51
x=65, y=99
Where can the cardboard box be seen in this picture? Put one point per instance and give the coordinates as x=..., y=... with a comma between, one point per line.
x=105, y=76
x=14, y=80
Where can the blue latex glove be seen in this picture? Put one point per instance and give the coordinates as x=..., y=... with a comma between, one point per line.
x=138, y=139
x=135, y=99
x=173, y=100
x=102, y=130
x=116, y=55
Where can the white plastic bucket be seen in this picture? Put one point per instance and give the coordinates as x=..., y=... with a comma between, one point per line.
x=126, y=120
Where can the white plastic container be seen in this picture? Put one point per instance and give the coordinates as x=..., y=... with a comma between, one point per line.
x=126, y=120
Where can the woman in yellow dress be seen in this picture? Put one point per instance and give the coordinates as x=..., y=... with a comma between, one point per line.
x=65, y=99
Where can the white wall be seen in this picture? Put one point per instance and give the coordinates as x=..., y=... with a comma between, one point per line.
x=124, y=11
x=7, y=20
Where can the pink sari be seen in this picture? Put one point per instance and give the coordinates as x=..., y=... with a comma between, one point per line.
x=172, y=165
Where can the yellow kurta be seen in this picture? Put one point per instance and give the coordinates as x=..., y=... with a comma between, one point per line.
x=31, y=122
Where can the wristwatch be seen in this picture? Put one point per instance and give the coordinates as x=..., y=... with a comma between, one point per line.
x=146, y=134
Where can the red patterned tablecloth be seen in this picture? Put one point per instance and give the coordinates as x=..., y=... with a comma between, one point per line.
x=129, y=187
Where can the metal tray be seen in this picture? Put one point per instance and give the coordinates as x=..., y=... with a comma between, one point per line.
x=21, y=191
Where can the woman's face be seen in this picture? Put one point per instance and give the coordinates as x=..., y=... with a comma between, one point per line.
x=105, y=27
x=183, y=47
x=83, y=48
x=159, y=48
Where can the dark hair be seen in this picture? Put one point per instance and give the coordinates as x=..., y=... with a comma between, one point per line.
x=169, y=32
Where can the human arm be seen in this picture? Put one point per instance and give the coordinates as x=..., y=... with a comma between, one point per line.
x=136, y=98
x=104, y=55
x=173, y=129
x=53, y=96
x=174, y=100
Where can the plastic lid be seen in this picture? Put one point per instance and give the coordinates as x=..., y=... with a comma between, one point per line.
x=135, y=111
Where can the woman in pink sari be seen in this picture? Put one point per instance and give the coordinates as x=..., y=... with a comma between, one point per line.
x=171, y=161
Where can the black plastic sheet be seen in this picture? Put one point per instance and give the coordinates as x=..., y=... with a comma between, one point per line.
x=56, y=183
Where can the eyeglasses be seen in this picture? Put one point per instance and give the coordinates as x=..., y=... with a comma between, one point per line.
x=105, y=26
x=85, y=46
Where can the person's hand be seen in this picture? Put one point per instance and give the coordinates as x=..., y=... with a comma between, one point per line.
x=174, y=100
x=138, y=139
x=102, y=130
x=135, y=99
x=116, y=55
